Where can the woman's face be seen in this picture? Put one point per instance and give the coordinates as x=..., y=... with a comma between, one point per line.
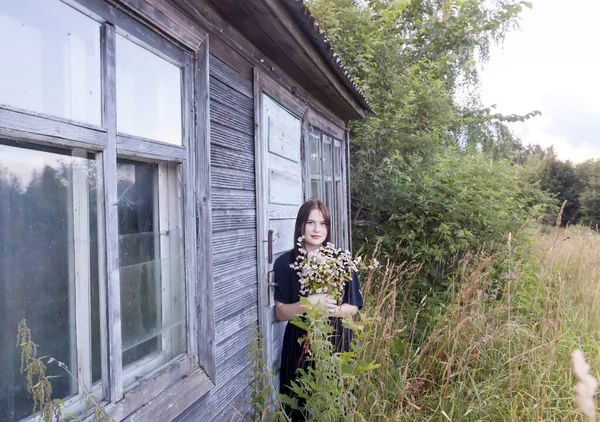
x=315, y=230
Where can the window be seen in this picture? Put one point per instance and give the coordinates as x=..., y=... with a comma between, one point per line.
x=54, y=69
x=48, y=266
x=150, y=113
x=326, y=179
x=150, y=265
x=93, y=246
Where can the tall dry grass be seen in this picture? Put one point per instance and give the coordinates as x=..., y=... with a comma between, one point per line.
x=498, y=349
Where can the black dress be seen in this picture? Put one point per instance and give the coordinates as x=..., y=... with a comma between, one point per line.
x=288, y=291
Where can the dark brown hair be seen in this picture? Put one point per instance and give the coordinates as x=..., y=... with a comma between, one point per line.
x=302, y=219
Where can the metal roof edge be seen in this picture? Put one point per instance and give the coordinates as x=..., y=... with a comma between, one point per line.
x=311, y=28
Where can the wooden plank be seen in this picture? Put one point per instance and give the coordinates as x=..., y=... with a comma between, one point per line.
x=282, y=212
x=169, y=19
x=236, y=60
x=228, y=96
x=277, y=331
x=229, y=159
x=144, y=392
x=223, y=404
x=232, y=199
x=189, y=209
x=52, y=117
x=231, y=46
x=92, y=139
x=280, y=142
x=135, y=147
x=79, y=244
x=234, y=400
x=102, y=280
x=325, y=124
x=231, y=138
x=230, y=118
x=113, y=286
x=234, y=279
x=235, y=363
x=172, y=401
x=244, y=320
x=261, y=215
x=230, y=220
x=284, y=188
x=239, y=405
x=229, y=241
x=222, y=262
x=282, y=96
x=230, y=77
x=225, y=307
x=232, y=179
x=347, y=180
x=232, y=346
x=283, y=130
x=270, y=26
x=204, y=205
x=283, y=234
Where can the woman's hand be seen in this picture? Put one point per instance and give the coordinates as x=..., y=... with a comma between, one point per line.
x=323, y=300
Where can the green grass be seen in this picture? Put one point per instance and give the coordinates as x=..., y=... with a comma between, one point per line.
x=485, y=359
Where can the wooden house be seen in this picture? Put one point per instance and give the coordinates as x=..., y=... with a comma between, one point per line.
x=153, y=156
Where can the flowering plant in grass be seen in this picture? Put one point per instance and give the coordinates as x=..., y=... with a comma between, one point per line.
x=327, y=269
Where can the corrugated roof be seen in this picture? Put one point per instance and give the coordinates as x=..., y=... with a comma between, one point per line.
x=305, y=19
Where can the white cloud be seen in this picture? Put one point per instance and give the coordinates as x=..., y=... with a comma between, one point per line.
x=551, y=66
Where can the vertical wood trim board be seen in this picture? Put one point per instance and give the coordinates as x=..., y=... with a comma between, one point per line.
x=206, y=327
x=113, y=287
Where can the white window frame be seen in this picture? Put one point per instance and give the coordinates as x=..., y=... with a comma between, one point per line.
x=339, y=208
x=192, y=373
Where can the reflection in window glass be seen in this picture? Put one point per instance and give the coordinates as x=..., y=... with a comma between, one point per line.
x=148, y=94
x=53, y=68
x=315, y=167
x=329, y=198
x=337, y=159
x=47, y=199
x=327, y=158
x=315, y=191
x=151, y=264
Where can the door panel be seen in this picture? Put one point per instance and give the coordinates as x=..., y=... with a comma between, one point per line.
x=282, y=173
x=283, y=132
x=283, y=235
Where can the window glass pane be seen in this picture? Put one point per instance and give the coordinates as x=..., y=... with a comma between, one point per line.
x=48, y=256
x=52, y=62
x=315, y=191
x=329, y=199
x=327, y=156
x=339, y=209
x=150, y=252
x=315, y=167
x=148, y=94
x=337, y=158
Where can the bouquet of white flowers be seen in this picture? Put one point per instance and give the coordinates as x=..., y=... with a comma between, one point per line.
x=327, y=269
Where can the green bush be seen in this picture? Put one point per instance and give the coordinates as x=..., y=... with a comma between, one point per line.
x=438, y=211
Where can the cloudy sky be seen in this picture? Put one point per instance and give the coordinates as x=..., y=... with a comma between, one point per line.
x=552, y=65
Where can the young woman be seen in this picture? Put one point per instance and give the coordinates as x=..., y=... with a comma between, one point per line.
x=314, y=223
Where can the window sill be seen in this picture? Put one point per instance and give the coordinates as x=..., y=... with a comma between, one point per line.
x=163, y=396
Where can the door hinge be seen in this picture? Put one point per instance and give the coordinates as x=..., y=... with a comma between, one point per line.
x=302, y=148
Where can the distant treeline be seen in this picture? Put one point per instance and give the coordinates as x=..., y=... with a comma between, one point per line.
x=578, y=184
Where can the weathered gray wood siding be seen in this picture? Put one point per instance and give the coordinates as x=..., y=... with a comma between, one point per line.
x=234, y=243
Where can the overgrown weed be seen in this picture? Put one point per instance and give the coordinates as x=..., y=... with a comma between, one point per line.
x=499, y=348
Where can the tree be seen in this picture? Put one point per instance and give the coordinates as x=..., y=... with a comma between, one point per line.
x=411, y=58
x=590, y=197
